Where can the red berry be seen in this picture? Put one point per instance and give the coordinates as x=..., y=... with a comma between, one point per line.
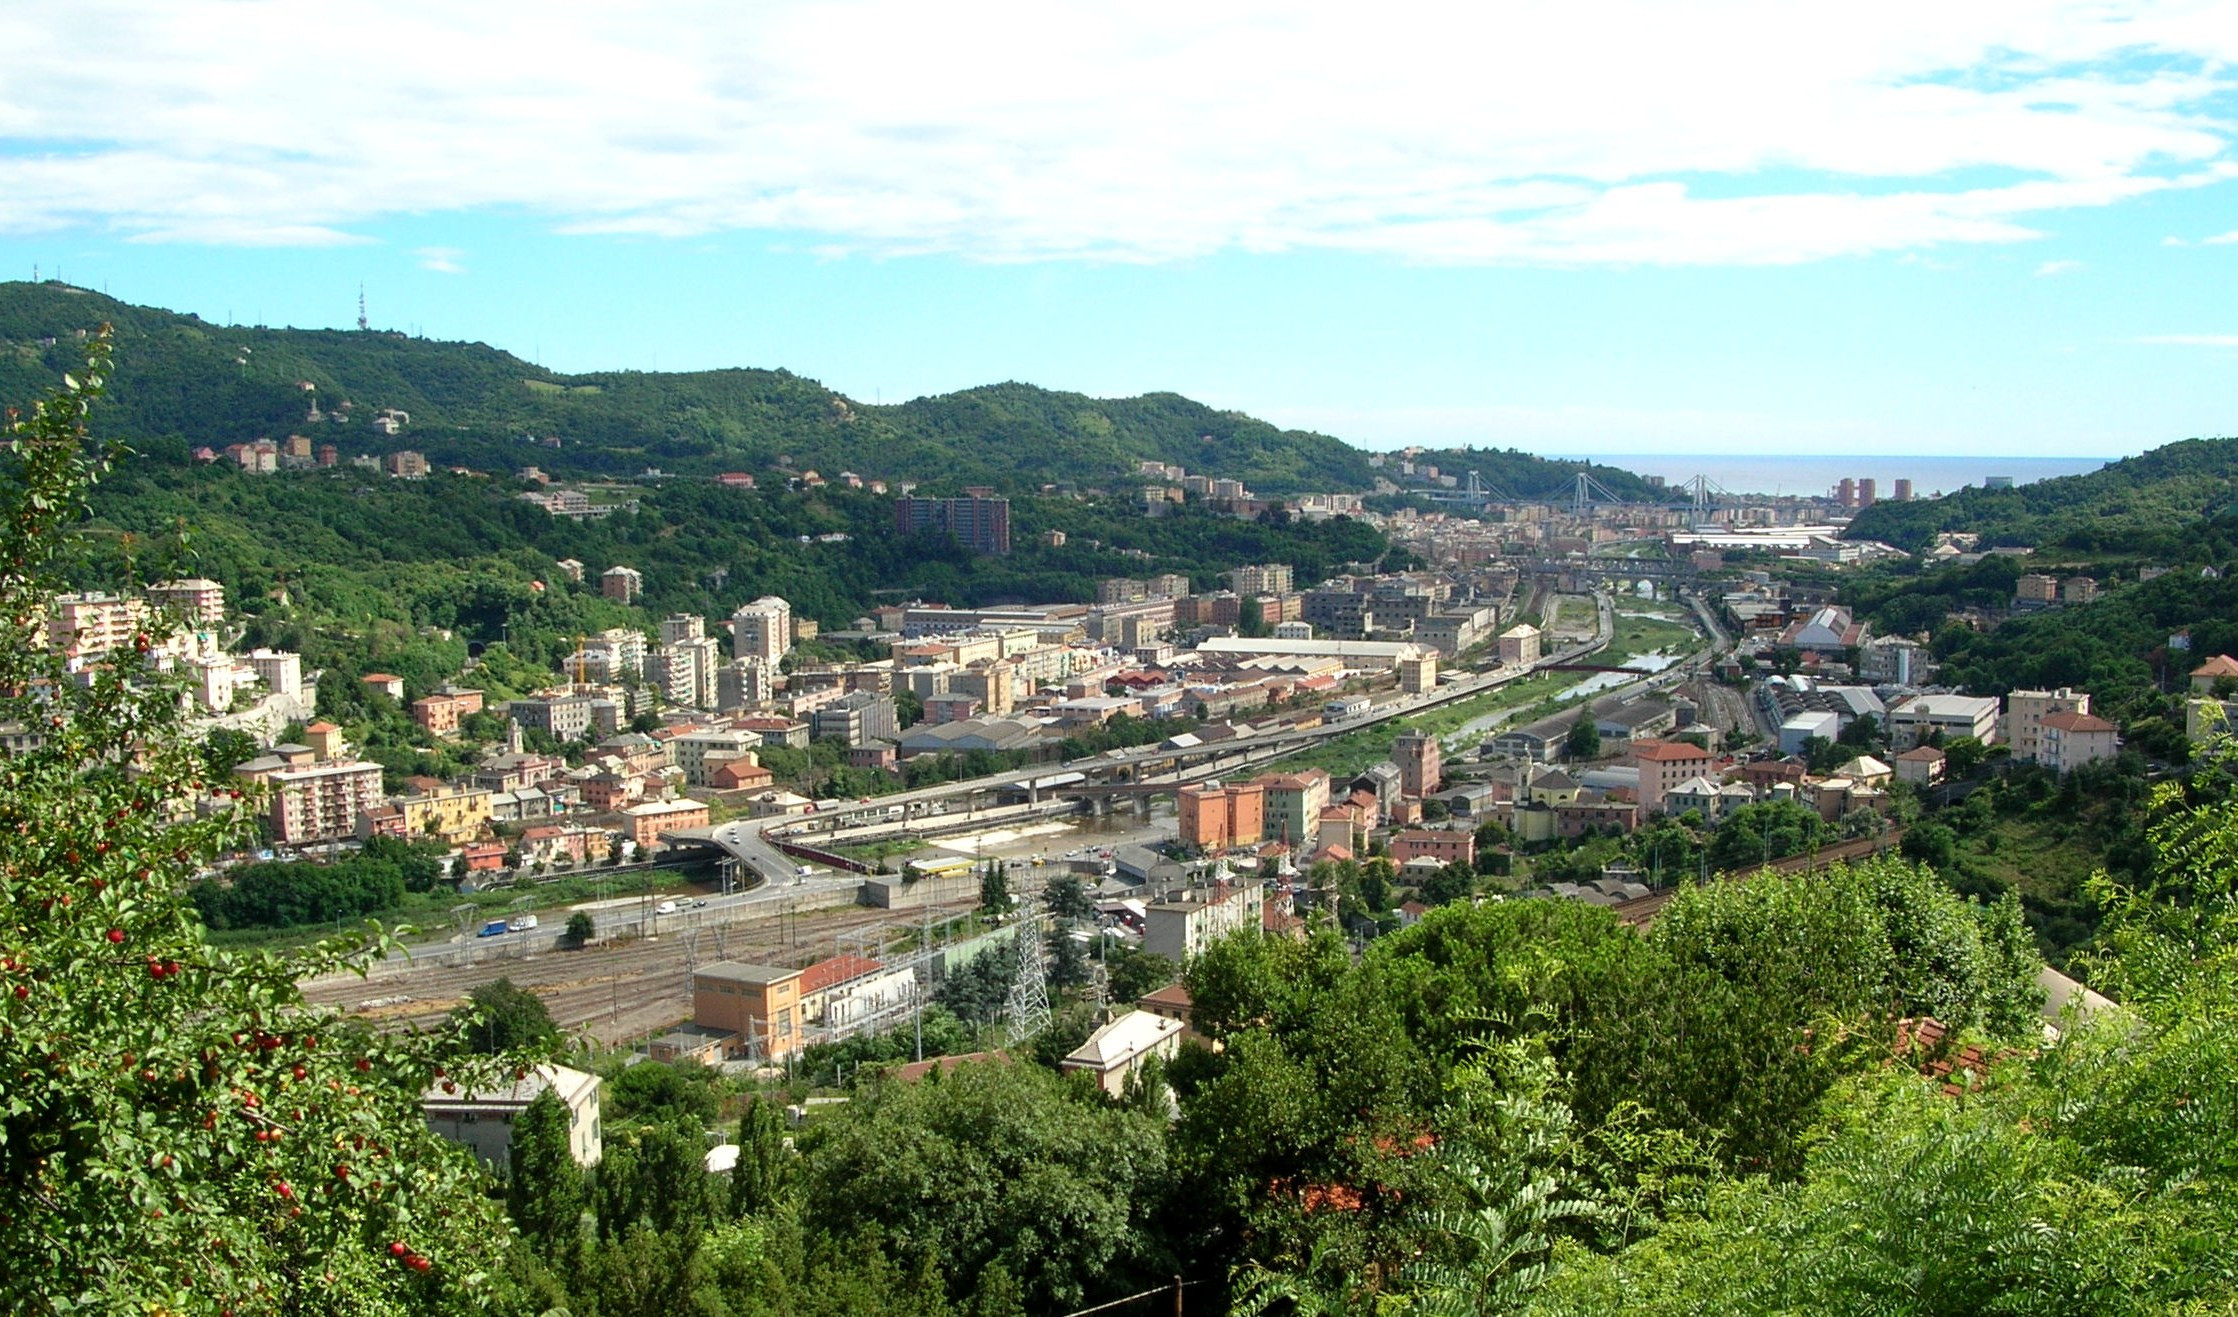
x=22, y=991
x=116, y=935
x=418, y=1263
x=398, y=1249
x=281, y=1188
x=364, y=1064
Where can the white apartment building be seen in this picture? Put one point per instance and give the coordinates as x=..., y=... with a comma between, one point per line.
x=762, y=630
x=679, y=627
x=685, y=671
x=279, y=670
x=1187, y=922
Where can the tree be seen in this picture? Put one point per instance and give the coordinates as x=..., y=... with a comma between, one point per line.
x=760, y=1180
x=504, y=1017
x=177, y=1128
x=581, y=927
x=1068, y=963
x=544, y=1188
x=1584, y=740
x=994, y=888
x=997, y=1163
x=1067, y=898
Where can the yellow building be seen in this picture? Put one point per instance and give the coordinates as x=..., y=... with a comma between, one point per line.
x=457, y=814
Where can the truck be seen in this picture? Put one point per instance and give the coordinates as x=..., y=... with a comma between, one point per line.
x=522, y=923
x=494, y=928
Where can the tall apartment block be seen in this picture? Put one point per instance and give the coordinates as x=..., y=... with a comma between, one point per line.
x=762, y=630
x=979, y=524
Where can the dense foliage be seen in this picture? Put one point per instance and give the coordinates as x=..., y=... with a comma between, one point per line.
x=2147, y=505
x=178, y=1131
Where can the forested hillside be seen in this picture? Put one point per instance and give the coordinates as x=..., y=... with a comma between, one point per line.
x=183, y=377
x=2147, y=505
x=1523, y=475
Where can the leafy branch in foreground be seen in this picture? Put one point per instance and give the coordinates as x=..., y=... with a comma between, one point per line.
x=179, y=1132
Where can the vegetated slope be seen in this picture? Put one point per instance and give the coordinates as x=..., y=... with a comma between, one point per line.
x=2143, y=505
x=180, y=376
x=1526, y=476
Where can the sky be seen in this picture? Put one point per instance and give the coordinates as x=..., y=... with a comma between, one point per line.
x=1585, y=226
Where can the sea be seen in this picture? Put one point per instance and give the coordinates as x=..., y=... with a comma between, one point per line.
x=1816, y=474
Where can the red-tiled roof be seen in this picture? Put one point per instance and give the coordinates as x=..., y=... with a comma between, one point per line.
x=835, y=971
x=2077, y=722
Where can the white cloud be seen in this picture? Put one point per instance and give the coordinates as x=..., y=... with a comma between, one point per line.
x=2192, y=340
x=2220, y=239
x=2050, y=268
x=1604, y=131
x=442, y=260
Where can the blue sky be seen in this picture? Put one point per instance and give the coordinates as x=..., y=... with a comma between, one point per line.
x=1597, y=227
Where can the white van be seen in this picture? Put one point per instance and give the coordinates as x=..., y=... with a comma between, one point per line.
x=522, y=923
x=665, y=908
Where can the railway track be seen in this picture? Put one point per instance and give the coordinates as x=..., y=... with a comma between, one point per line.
x=614, y=992
x=1641, y=912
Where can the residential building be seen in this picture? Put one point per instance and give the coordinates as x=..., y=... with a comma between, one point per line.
x=2219, y=668
x=698, y=752
x=644, y=824
x=1519, y=645
x=1922, y=766
x=280, y=671
x=679, y=627
x=405, y=464
x=318, y=802
x=563, y=717
x=1117, y=1050
x=1663, y=766
x=687, y=672
x=762, y=630
x=200, y=602
x=989, y=683
x=1264, y=578
x=981, y=524
x=1417, y=675
x=1441, y=846
x=759, y=1005
x=1214, y=817
x=456, y=812
x=1421, y=765
x=81, y=627
x=2025, y=712
x=621, y=584
x=1915, y=720
x=2071, y=740
x=1293, y=805
x=745, y=682
x=440, y=713
x=483, y=1120
x=857, y=718
x=1185, y=923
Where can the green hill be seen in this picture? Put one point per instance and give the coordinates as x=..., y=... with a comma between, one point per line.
x=182, y=377
x=2146, y=505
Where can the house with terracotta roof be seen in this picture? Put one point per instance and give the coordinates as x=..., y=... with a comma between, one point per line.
x=387, y=683
x=2204, y=677
x=1663, y=766
x=2070, y=740
x=1922, y=765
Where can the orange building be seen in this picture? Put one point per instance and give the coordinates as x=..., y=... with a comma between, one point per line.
x=1214, y=817
x=758, y=1003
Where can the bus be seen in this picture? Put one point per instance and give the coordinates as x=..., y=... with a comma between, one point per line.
x=940, y=866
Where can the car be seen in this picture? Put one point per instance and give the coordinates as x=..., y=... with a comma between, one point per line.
x=665, y=908
x=700, y=904
x=522, y=923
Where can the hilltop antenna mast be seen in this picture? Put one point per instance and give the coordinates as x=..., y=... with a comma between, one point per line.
x=362, y=323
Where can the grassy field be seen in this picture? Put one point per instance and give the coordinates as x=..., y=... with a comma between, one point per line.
x=1647, y=635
